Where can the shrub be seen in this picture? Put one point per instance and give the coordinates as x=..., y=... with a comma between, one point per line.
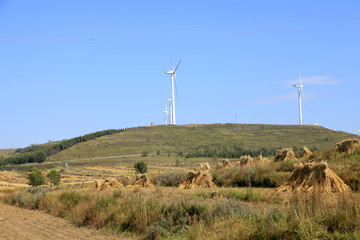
x=172, y=179
x=54, y=177
x=140, y=167
x=36, y=179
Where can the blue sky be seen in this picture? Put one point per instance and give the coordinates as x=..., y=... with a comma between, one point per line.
x=73, y=67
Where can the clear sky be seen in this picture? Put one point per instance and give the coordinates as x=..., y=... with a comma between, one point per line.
x=68, y=67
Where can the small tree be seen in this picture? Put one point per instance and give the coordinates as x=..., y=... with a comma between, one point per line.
x=140, y=167
x=36, y=178
x=54, y=177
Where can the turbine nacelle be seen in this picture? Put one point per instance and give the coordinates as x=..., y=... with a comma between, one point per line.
x=170, y=72
x=298, y=86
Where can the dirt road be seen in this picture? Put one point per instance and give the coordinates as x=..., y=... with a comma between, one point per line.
x=23, y=224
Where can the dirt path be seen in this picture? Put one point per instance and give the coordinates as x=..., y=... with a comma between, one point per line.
x=23, y=224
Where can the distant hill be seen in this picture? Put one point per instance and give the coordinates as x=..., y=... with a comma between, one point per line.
x=203, y=139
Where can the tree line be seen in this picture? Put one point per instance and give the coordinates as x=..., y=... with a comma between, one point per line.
x=38, y=153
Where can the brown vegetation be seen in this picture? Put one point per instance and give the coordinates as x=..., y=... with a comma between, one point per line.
x=306, y=153
x=110, y=183
x=225, y=164
x=284, y=154
x=314, y=176
x=198, y=179
x=347, y=146
x=142, y=180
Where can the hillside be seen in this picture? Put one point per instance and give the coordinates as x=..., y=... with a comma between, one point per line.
x=199, y=138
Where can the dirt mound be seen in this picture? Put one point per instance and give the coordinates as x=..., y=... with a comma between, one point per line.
x=110, y=183
x=306, y=153
x=205, y=166
x=198, y=179
x=142, y=180
x=310, y=176
x=284, y=154
x=225, y=164
x=347, y=146
x=246, y=160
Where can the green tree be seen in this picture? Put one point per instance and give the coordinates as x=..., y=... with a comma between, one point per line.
x=140, y=167
x=36, y=178
x=54, y=177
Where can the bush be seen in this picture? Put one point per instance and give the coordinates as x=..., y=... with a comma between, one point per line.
x=36, y=179
x=172, y=179
x=141, y=167
x=54, y=177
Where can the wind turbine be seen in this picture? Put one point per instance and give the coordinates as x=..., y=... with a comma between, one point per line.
x=170, y=107
x=300, y=93
x=166, y=113
x=173, y=83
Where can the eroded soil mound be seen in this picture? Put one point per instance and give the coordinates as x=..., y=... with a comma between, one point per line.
x=306, y=153
x=198, y=179
x=110, y=183
x=284, y=154
x=314, y=176
x=142, y=180
x=347, y=146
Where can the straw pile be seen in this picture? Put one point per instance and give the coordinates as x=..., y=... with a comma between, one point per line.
x=259, y=160
x=347, y=146
x=205, y=166
x=198, y=179
x=142, y=180
x=225, y=164
x=284, y=154
x=306, y=153
x=314, y=176
x=246, y=160
x=110, y=183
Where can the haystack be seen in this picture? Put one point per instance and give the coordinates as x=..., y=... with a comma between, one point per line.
x=110, y=183
x=225, y=164
x=306, y=153
x=142, y=180
x=347, y=146
x=310, y=176
x=198, y=179
x=246, y=160
x=205, y=166
x=284, y=154
x=260, y=160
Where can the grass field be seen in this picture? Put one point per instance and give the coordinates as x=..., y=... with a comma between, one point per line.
x=190, y=138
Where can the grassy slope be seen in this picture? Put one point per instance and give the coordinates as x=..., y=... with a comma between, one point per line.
x=188, y=138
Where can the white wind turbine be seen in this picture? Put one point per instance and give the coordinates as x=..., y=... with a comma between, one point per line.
x=170, y=107
x=173, y=82
x=166, y=115
x=300, y=93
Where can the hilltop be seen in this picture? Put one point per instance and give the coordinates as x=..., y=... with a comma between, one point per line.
x=205, y=138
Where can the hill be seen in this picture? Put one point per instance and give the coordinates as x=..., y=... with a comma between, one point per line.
x=206, y=140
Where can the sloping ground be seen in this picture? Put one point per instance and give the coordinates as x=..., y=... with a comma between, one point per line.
x=189, y=138
x=23, y=224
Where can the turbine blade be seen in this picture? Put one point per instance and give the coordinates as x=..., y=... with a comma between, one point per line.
x=177, y=65
x=300, y=76
x=172, y=65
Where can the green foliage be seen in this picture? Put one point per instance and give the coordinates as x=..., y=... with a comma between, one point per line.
x=54, y=177
x=145, y=153
x=36, y=178
x=38, y=153
x=141, y=167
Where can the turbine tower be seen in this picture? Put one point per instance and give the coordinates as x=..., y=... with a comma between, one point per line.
x=300, y=93
x=166, y=115
x=173, y=83
x=170, y=107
